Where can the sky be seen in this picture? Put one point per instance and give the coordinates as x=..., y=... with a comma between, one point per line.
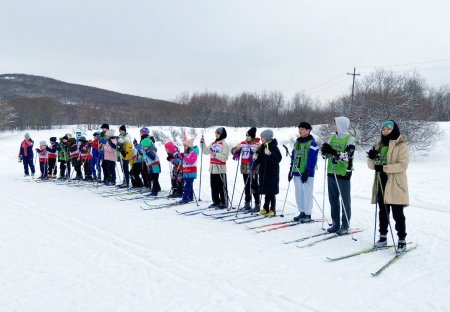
x=163, y=48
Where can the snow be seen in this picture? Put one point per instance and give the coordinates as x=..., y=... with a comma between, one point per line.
x=69, y=249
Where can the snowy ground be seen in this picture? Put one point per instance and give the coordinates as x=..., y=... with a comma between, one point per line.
x=69, y=249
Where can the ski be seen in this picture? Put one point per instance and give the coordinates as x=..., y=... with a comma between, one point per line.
x=392, y=260
x=361, y=252
x=138, y=196
x=249, y=219
x=333, y=235
x=286, y=225
x=192, y=212
x=161, y=206
x=305, y=238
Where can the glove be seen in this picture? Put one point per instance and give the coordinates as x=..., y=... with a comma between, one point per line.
x=139, y=147
x=328, y=150
x=236, y=156
x=373, y=153
x=202, y=140
x=169, y=157
x=135, y=142
x=379, y=168
x=290, y=176
x=305, y=176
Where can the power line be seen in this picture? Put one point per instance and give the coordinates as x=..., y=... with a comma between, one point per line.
x=407, y=64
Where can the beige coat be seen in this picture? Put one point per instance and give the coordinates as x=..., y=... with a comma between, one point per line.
x=222, y=156
x=396, y=191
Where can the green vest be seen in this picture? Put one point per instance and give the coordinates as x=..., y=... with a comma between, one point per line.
x=339, y=167
x=301, y=153
x=383, y=155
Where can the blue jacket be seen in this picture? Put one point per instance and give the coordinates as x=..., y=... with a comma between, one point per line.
x=312, y=156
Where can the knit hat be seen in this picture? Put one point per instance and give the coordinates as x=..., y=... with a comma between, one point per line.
x=53, y=139
x=122, y=127
x=146, y=142
x=145, y=130
x=305, y=125
x=82, y=139
x=96, y=133
x=252, y=132
x=65, y=137
x=388, y=123
x=170, y=147
x=110, y=133
x=395, y=133
x=27, y=135
x=267, y=134
x=105, y=126
x=42, y=143
x=72, y=141
x=189, y=142
x=222, y=132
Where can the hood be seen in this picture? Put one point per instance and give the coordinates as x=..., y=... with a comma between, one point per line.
x=342, y=124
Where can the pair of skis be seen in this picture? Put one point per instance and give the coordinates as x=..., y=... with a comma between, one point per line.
x=279, y=225
x=374, y=249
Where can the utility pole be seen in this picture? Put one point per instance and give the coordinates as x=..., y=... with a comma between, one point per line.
x=353, y=87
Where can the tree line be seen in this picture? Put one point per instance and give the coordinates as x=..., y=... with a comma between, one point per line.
x=378, y=96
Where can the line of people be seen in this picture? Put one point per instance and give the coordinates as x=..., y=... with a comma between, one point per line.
x=259, y=165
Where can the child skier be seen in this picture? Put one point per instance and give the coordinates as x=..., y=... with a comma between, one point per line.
x=176, y=179
x=268, y=159
x=189, y=157
x=43, y=159
x=26, y=154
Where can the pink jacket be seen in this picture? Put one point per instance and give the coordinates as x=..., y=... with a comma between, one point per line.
x=110, y=153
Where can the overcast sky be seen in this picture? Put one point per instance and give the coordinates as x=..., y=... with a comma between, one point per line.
x=161, y=48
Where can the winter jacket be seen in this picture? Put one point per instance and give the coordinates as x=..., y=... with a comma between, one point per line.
x=246, y=151
x=218, y=163
x=26, y=149
x=269, y=168
x=110, y=149
x=396, y=190
x=190, y=163
x=304, y=156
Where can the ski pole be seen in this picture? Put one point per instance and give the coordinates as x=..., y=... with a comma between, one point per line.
x=242, y=194
x=343, y=205
x=324, y=186
x=201, y=165
x=317, y=203
x=234, y=186
x=285, y=199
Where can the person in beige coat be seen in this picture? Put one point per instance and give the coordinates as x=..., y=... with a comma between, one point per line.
x=219, y=152
x=389, y=158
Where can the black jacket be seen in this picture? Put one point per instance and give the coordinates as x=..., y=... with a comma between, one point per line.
x=269, y=168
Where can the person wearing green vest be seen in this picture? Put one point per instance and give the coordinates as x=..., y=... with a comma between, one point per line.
x=339, y=150
x=303, y=166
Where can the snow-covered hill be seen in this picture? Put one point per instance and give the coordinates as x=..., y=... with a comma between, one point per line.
x=69, y=249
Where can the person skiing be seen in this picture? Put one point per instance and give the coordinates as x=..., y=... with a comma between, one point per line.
x=152, y=163
x=189, y=158
x=176, y=178
x=389, y=157
x=245, y=151
x=126, y=152
x=26, y=155
x=218, y=151
x=63, y=157
x=95, y=167
x=339, y=151
x=43, y=160
x=109, y=158
x=86, y=157
x=52, y=155
x=302, y=169
x=268, y=157
x=75, y=158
